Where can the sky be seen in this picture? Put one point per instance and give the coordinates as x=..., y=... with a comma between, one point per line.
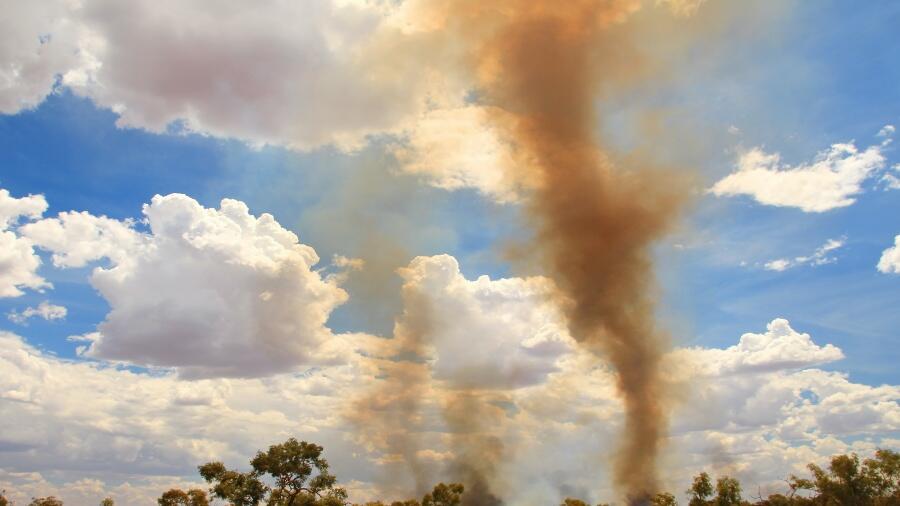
x=217, y=220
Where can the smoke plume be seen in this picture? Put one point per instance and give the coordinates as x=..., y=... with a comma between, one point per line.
x=477, y=453
x=389, y=415
x=595, y=223
x=538, y=68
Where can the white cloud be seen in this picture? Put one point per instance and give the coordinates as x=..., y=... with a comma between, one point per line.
x=44, y=310
x=487, y=333
x=890, y=258
x=759, y=409
x=18, y=262
x=818, y=257
x=78, y=238
x=890, y=180
x=208, y=291
x=101, y=431
x=294, y=74
x=887, y=131
x=38, y=44
x=830, y=181
x=11, y=208
x=779, y=348
x=462, y=148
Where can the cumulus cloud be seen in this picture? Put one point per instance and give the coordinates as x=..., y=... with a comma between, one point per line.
x=832, y=180
x=780, y=347
x=78, y=238
x=487, y=333
x=461, y=148
x=39, y=44
x=44, y=310
x=18, y=262
x=208, y=291
x=890, y=258
x=818, y=257
x=298, y=75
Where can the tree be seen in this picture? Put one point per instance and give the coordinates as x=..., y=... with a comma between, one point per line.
x=882, y=475
x=700, y=490
x=728, y=492
x=291, y=464
x=239, y=489
x=842, y=483
x=573, y=502
x=663, y=499
x=108, y=502
x=290, y=467
x=178, y=497
x=45, y=501
x=444, y=495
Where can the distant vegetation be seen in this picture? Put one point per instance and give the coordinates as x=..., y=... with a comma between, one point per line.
x=294, y=473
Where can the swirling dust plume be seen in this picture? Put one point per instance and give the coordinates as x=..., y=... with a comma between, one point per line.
x=538, y=66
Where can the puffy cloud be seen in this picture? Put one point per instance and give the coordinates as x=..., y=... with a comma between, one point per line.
x=487, y=333
x=299, y=75
x=39, y=43
x=209, y=291
x=44, y=310
x=462, y=148
x=11, y=208
x=830, y=181
x=18, y=261
x=780, y=347
x=78, y=238
x=819, y=257
x=890, y=258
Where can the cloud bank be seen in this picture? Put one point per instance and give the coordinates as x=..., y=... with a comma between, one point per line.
x=762, y=402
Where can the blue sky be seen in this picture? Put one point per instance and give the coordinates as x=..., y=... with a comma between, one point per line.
x=790, y=78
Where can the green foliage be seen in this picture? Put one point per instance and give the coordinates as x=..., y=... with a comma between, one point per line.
x=239, y=489
x=290, y=466
x=875, y=483
x=728, y=492
x=700, y=490
x=444, y=495
x=45, y=501
x=178, y=497
x=294, y=473
x=663, y=499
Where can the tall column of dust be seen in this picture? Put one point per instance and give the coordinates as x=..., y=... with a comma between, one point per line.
x=541, y=62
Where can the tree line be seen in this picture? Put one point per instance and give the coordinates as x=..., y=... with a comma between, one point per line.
x=295, y=473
